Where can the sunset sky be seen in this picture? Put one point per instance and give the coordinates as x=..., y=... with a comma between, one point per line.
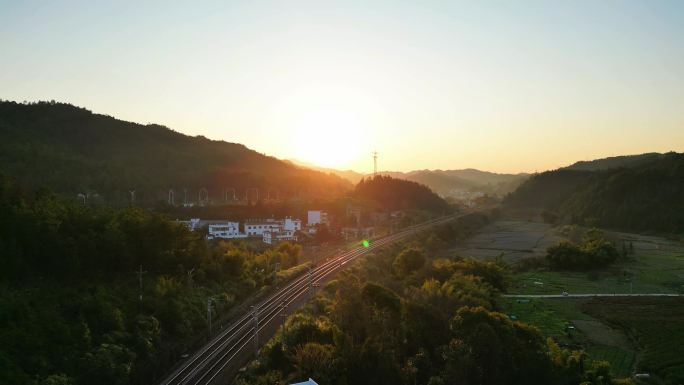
x=504, y=86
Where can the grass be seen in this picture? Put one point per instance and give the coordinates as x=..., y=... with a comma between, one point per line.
x=621, y=360
x=656, y=266
x=645, y=334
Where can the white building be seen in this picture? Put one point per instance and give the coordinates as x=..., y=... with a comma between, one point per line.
x=270, y=230
x=292, y=224
x=192, y=225
x=317, y=217
x=257, y=228
x=272, y=237
x=225, y=230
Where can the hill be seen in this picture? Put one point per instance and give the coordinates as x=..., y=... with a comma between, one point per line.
x=644, y=197
x=72, y=150
x=615, y=162
x=390, y=193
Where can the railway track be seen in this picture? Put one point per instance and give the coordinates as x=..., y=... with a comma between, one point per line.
x=222, y=356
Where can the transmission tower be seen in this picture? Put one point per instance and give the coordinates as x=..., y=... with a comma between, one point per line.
x=375, y=163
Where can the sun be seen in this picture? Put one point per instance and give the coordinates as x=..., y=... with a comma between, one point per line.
x=328, y=137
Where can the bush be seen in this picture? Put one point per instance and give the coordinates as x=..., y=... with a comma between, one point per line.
x=592, y=254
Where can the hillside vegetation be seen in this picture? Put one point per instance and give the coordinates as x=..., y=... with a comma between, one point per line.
x=70, y=311
x=388, y=193
x=72, y=150
x=615, y=162
x=644, y=197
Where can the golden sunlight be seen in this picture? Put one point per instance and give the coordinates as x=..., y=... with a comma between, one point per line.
x=328, y=137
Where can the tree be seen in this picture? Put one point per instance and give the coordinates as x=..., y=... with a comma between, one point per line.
x=381, y=297
x=490, y=272
x=58, y=379
x=408, y=261
x=316, y=361
x=108, y=364
x=488, y=348
x=291, y=253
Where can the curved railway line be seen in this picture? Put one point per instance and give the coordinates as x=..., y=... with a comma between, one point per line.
x=222, y=356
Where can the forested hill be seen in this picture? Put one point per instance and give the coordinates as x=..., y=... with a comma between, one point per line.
x=72, y=150
x=396, y=194
x=648, y=196
x=615, y=162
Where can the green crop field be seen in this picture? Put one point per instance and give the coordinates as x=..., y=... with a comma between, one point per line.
x=655, y=266
x=553, y=317
x=621, y=360
x=657, y=324
x=633, y=334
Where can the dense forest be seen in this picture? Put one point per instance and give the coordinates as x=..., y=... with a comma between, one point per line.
x=72, y=150
x=405, y=316
x=73, y=309
x=387, y=193
x=646, y=196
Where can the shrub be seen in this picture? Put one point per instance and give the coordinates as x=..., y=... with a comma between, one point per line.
x=592, y=254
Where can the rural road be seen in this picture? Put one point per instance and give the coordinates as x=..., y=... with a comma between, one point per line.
x=220, y=359
x=590, y=295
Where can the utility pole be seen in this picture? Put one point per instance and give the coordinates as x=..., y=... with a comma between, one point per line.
x=276, y=268
x=209, y=315
x=255, y=317
x=311, y=289
x=283, y=313
x=140, y=273
x=312, y=285
x=191, y=273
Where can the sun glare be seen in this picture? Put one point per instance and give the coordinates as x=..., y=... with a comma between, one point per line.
x=328, y=137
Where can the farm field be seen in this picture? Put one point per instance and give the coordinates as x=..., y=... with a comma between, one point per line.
x=564, y=321
x=633, y=334
x=655, y=264
x=513, y=240
x=656, y=324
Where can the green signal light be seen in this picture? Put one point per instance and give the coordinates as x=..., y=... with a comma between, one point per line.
x=365, y=243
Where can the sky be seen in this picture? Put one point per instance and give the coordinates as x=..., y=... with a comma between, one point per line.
x=505, y=86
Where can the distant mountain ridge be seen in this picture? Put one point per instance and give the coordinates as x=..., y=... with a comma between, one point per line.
x=443, y=182
x=72, y=150
x=615, y=162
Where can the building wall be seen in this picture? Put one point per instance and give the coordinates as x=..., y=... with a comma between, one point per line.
x=257, y=229
x=317, y=217
x=226, y=230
